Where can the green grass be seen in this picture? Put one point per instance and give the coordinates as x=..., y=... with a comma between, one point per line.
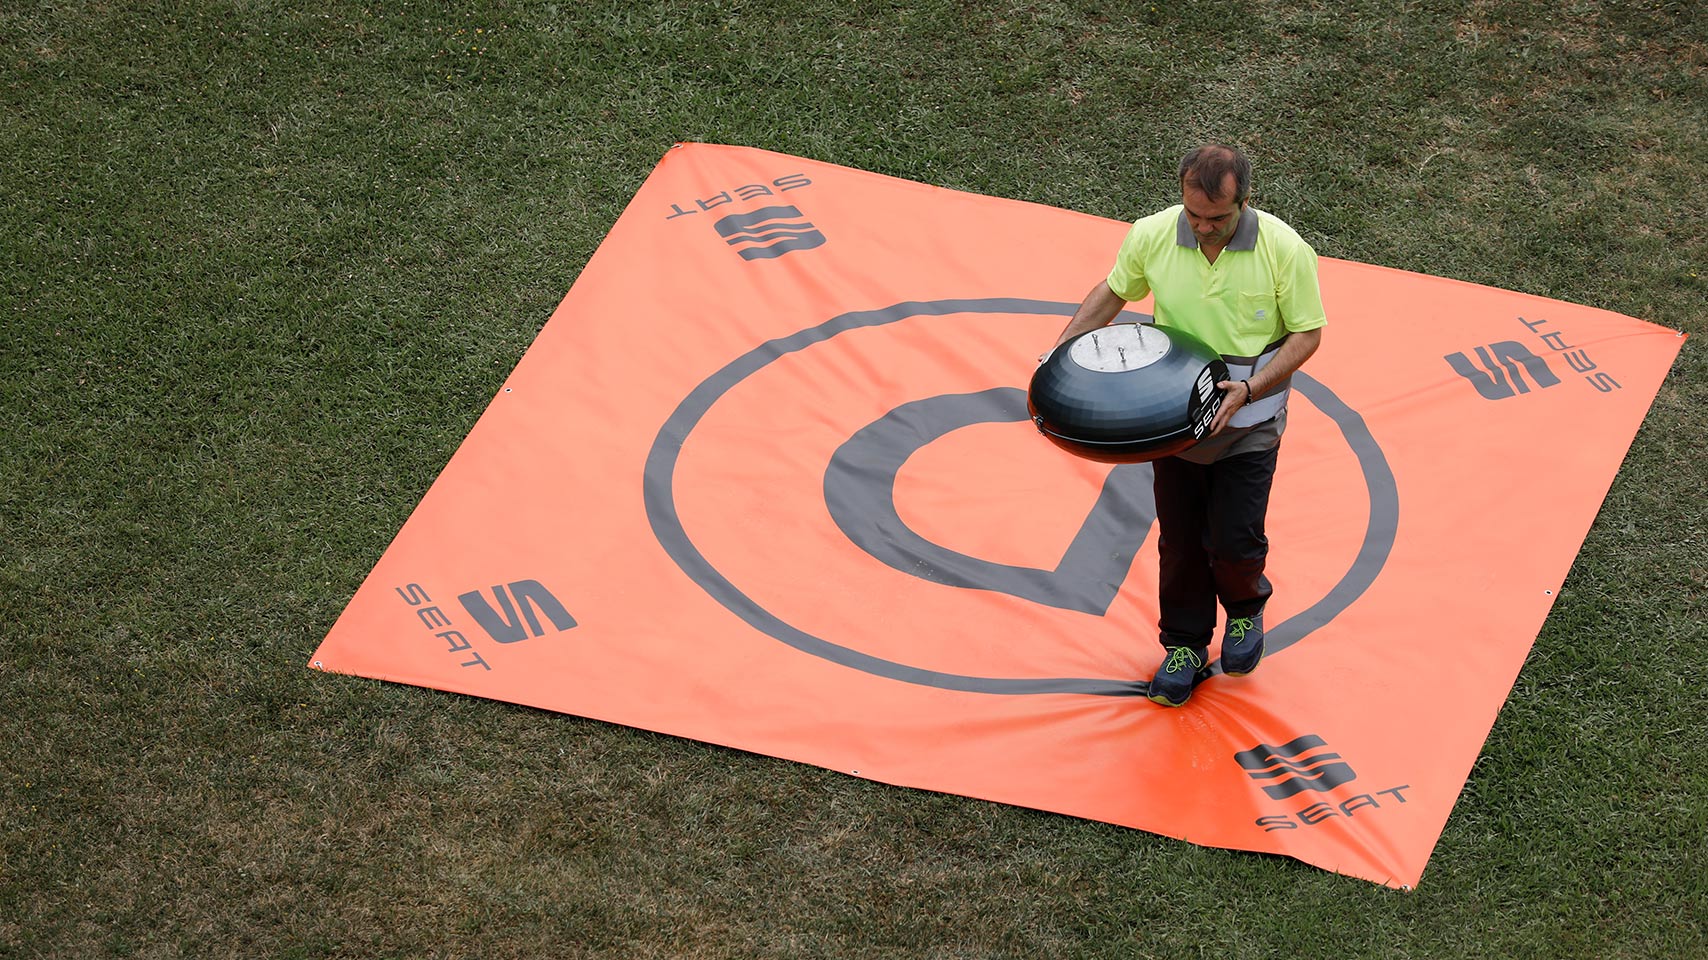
x=262, y=265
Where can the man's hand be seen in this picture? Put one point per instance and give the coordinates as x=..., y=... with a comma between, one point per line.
x=1291, y=356
x=1235, y=394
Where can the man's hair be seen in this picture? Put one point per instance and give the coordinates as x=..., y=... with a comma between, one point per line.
x=1210, y=164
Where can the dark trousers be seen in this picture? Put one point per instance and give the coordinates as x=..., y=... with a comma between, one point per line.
x=1210, y=519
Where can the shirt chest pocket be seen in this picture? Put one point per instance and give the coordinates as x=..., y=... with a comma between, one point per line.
x=1257, y=313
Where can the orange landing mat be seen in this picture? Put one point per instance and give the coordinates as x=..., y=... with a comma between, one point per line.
x=766, y=480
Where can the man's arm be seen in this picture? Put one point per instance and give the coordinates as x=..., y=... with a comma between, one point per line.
x=1101, y=306
x=1289, y=358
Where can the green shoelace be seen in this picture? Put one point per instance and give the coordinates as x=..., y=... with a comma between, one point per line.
x=1182, y=657
x=1238, y=627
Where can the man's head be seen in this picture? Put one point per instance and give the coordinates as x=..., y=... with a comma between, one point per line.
x=1215, y=182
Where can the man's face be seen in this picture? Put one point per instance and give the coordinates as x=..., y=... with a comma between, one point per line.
x=1212, y=221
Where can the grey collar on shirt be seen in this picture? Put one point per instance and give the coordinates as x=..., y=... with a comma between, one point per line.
x=1244, y=238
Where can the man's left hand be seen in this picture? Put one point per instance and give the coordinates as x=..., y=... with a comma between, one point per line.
x=1235, y=394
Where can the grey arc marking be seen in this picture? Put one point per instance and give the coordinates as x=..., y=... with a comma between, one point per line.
x=859, y=489
x=659, y=481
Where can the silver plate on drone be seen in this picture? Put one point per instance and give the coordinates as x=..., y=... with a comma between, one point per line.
x=1119, y=347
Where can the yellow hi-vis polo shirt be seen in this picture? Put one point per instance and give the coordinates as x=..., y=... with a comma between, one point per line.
x=1261, y=288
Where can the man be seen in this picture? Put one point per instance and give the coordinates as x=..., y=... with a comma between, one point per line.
x=1244, y=282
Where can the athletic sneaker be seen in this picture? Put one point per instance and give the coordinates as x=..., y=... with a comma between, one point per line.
x=1242, y=645
x=1183, y=669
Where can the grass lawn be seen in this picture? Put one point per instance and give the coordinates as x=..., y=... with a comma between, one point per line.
x=263, y=264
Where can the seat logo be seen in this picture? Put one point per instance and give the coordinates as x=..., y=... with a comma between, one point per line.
x=768, y=233
x=1503, y=369
x=1302, y=764
x=515, y=618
